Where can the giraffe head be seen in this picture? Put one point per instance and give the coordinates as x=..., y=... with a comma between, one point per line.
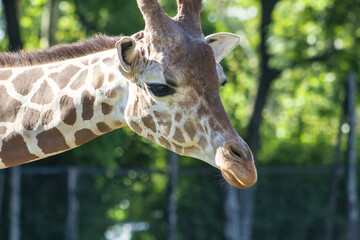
x=174, y=80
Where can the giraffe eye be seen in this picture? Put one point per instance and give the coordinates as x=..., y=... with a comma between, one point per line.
x=160, y=90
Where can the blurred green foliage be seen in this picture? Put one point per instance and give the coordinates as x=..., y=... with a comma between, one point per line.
x=314, y=44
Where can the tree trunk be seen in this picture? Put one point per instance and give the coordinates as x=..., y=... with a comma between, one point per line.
x=232, y=213
x=351, y=177
x=267, y=76
x=12, y=24
x=14, y=205
x=49, y=23
x=72, y=228
x=170, y=196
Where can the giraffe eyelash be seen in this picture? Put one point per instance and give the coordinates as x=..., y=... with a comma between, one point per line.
x=159, y=89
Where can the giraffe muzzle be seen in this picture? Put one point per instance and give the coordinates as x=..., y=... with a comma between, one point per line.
x=236, y=163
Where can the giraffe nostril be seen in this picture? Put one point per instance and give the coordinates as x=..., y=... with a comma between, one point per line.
x=236, y=153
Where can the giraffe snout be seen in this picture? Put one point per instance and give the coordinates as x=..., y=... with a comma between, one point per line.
x=236, y=163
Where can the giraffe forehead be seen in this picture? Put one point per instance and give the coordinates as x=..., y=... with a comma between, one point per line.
x=175, y=44
x=187, y=62
x=196, y=84
x=192, y=55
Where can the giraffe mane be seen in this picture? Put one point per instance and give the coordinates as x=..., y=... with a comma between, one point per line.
x=58, y=53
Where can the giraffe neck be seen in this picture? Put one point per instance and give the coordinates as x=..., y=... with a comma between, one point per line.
x=51, y=108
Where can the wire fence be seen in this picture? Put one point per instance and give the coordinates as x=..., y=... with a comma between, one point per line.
x=95, y=203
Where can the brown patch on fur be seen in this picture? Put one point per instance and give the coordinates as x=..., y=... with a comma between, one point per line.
x=106, y=108
x=118, y=123
x=9, y=107
x=5, y=74
x=112, y=93
x=178, y=117
x=87, y=101
x=103, y=127
x=94, y=60
x=3, y=130
x=63, y=78
x=111, y=77
x=31, y=119
x=136, y=105
x=190, y=129
x=24, y=81
x=143, y=103
x=58, y=53
x=98, y=78
x=151, y=137
x=51, y=141
x=80, y=80
x=134, y=126
x=44, y=95
x=14, y=150
x=202, y=110
x=164, y=121
x=178, y=136
x=54, y=76
x=98, y=82
x=164, y=142
x=47, y=117
x=68, y=110
x=203, y=142
x=110, y=61
x=149, y=122
x=84, y=135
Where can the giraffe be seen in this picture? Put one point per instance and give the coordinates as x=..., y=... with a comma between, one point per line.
x=162, y=82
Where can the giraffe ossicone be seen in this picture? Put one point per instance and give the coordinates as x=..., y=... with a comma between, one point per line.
x=162, y=82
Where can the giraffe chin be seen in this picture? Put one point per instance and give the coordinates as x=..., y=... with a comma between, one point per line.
x=239, y=181
x=237, y=172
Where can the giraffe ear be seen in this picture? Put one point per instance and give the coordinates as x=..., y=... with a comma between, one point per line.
x=222, y=44
x=127, y=53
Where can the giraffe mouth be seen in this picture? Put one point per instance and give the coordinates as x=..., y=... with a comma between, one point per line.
x=237, y=168
x=240, y=179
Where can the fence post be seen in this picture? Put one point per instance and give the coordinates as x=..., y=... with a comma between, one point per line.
x=351, y=176
x=334, y=185
x=232, y=213
x=15, y=203
x=170, y=196
x=71, y=231
x=2, y=190
x=247, y=202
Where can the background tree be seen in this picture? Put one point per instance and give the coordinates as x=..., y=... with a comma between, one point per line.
x=15, y=43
